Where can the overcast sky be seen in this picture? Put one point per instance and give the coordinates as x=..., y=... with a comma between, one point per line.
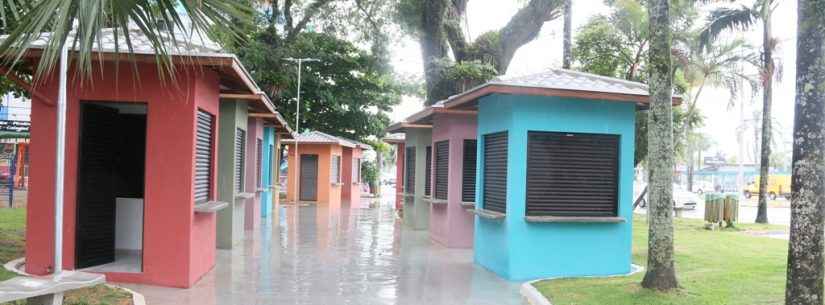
x=545, y=52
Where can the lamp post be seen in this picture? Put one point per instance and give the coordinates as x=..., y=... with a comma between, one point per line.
x=300, y=62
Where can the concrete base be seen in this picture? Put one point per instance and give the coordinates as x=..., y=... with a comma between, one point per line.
x=231, y=225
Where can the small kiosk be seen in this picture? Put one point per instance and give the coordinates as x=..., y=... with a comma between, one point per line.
x=140, y=164
x=453, y=173
x=397, y=139
x=321, y=178
x=417, y=173
x=555, y=173
x=351, y=172
x=269, y=171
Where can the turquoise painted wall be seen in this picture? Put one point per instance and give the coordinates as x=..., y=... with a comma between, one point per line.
x=518, y=250
x=266, y=170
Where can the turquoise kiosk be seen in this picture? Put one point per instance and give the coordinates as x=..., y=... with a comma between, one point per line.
x=555, y=173
x=273, y=134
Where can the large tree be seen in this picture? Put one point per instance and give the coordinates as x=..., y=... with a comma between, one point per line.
x=437, y=25
x=348, y=93
x=805, y=258
x=743, y=18
x=661, y=270
x=567, y=54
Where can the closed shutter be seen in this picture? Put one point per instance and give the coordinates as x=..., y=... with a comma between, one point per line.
x=428, y=170
x=409, y=170
x=240, y=156
x=258, y=161
x=335, y=171
x=495, y=172
x=468, y=172
x=203, y=156
x=442, y=160
x=572, y=174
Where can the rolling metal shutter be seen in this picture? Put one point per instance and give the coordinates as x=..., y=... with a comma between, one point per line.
x=203, y=156
x=572, y=174
x=409, y=170
x=442, y=161
x=240, y=156
x=428, y=171
x=468, y=172
x=258, y=162
x=495, y=172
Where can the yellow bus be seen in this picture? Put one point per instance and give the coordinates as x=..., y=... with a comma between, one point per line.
x=778, y=185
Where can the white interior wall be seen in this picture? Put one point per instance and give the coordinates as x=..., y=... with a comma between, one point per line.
x=129, y=224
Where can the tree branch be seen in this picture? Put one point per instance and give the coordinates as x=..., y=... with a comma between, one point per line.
x=453, y=31
x=288, y=16
x=524, y=27
x=309, y=13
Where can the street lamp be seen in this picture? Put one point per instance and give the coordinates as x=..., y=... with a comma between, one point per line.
x=300, y=62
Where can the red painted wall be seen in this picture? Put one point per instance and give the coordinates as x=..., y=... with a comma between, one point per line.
x=178, y=245
x=254, y=132
x=399, y=175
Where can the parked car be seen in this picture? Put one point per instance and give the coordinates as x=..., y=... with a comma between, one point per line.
x=682, y=199
x=778, y=185
x=701, y=187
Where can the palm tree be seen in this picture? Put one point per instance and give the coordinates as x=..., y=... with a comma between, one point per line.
x=805, y=257
x=567, y=59
x=661, y=272
x=743, y=18
x=717, y=65
x=163, y=22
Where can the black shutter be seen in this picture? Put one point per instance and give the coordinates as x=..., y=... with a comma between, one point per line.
x=442, y=161
x=203, y=156
x=572, y=174
x=258, y=162
x=468, y=172
x=409, y=174
x=240, y=156
x=428, y=171
x=495, y=172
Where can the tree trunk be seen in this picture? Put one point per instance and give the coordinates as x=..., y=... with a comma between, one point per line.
x=567, y=60
x=767, y=97
x=661, y=272
x=805, y=259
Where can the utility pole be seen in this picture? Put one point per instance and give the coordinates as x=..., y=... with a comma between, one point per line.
x=300, y=62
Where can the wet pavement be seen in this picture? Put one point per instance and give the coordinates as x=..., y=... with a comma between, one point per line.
x=319, y=255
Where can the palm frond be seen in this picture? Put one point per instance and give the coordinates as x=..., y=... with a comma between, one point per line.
x=741, y=18
x=161, y=21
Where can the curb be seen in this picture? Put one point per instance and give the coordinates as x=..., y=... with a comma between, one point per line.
x=533, y=297
x=16, y=264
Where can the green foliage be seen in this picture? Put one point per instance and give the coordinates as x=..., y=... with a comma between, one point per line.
x=601, y=49
x=471, y=70
x=369, y=172
x=716, y=267
x=348, y=93
x=59, y=17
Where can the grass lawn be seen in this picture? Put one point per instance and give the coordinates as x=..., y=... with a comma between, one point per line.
x=713, y=267
x=12, y=244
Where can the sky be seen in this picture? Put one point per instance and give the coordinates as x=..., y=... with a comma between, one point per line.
x=721, y=121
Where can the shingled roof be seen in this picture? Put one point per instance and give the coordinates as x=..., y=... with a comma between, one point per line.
x=317, y=137
x=562, y=83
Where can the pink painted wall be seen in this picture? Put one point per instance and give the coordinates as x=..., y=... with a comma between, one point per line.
x=328, y=194
x=450, y=224
x=178, y=245
x=254, y=132
x=351, y=190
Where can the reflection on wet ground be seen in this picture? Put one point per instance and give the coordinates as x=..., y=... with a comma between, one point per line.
x=320, y=255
